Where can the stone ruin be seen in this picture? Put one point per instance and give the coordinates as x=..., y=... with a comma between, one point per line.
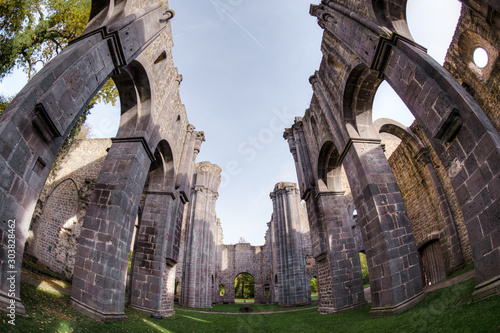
x=422, y=213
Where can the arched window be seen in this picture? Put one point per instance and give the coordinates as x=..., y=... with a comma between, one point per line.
x=222, y=290
x=267, y=290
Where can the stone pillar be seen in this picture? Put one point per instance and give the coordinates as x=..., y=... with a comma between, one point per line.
x=102, y=256
x=156, y=251
x=152, y=269
x=198, y=264
x=346, y=278
x=395, y=275
x=340, y=283
x=292, y=279
x=303, y=167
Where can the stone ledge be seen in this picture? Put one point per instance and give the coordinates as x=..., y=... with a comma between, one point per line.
x=328, y=310
x=5, y=302
x=487, y=289
x=97, y=314
x=397, y=309
x=165, y=313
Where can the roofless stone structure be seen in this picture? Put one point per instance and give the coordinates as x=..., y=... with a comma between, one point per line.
x=424, y=213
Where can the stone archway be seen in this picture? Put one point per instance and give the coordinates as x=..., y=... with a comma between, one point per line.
x=244, y=288
x=35, y=125
x=366, y=49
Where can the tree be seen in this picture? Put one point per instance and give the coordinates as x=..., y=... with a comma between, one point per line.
x=32, y=32
x=364, y=268
x=4, y=102
x=314, y=285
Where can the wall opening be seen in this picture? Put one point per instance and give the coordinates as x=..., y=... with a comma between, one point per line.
x=387, y=104
x=314, y=288
x=222, y=290
x=364, y=270
x=480, y=57
x=244, y=288
x=267, y=290
x=176, y=290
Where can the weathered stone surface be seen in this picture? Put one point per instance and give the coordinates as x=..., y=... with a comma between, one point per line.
x=199, y=266
x=288, y=247
x=359, y=50
x=126, y=47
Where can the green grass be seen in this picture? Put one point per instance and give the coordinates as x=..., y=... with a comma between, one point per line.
x=461, y=271
x=38, y=269
x=444, y=310
x=234, y=308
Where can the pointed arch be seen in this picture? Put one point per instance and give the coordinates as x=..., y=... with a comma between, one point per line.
x=359, y=92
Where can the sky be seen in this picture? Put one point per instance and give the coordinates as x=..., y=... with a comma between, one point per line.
x=245, y=67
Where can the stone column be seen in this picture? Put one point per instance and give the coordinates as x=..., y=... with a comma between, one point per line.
x=200, y=238
x=346, y=278
x=102, y=256
x=152, y=269
x=393, y=264
x=293, y=283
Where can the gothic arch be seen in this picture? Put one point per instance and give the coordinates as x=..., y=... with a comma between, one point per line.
x=359, y=92
x=430, y=184
x=329, y=169
x=158, y=236
x=59, y=215
x=162, y=171
x=392, y=15
x=35, y=125
x=134, y=88
x=386, y=125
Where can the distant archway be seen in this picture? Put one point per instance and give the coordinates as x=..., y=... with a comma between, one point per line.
x=244, y=288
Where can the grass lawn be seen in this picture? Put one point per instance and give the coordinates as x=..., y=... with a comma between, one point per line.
x=444, y=310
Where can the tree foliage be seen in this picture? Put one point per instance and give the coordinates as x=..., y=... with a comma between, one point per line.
x=4, y=102
x=364, y=268
x=314, y=285
x=32, y=32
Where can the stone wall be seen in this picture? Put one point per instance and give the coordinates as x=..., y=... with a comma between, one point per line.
x=244, y=258
x=472, y=32
x=422, y=202
x=61, y=207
